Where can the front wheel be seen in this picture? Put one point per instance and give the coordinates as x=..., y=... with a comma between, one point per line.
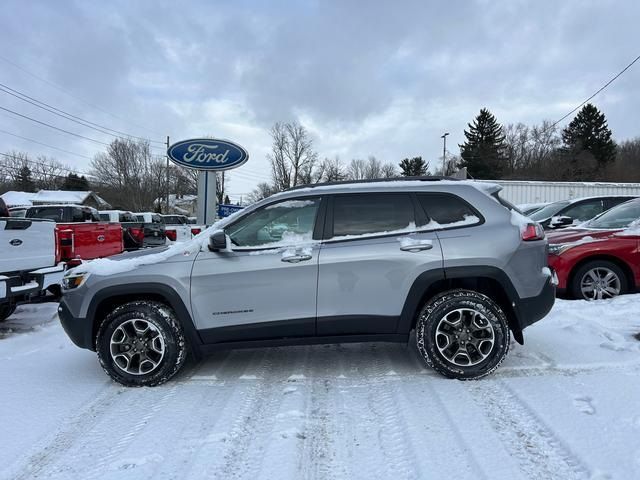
x=597, y=280
x=141, y=343
x=462, y=334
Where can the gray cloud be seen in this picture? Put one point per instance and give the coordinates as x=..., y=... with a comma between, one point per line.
x=381, y=78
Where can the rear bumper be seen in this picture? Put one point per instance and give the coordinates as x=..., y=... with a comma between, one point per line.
x=530, y=310
x=21, y=286
x=78, y=329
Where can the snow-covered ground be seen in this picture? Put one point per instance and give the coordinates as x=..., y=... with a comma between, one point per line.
x=566, y=405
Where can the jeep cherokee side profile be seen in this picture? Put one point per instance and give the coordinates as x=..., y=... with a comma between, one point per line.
x=345, y=262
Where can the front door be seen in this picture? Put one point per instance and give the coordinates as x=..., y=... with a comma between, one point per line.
x=266, y=286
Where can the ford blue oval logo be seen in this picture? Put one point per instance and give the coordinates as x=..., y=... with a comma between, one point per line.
x=207, y=154
x=16, y=242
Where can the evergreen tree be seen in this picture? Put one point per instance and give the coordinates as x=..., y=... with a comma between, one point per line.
x=484, y=152
x=23, y=181
x=588, y=146
x=413, y=167
x=75, y=182
x=226, y=200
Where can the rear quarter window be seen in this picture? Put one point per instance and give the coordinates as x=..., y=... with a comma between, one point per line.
x=448, y=210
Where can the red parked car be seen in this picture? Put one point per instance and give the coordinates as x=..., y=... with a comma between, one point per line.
x=600, y=258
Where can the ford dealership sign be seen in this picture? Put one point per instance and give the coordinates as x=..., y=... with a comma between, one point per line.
x=207, y=154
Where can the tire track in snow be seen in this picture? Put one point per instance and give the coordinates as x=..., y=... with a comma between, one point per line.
x=83, y=421
x=319, y=456
x=538, y=451
x=395, y=445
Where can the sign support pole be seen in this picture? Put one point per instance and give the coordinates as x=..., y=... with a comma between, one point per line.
x=206, y=197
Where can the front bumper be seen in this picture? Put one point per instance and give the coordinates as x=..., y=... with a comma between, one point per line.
x=78, y=329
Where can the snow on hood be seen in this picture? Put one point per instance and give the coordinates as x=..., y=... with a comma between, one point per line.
x=129, y=261
x=571, y=235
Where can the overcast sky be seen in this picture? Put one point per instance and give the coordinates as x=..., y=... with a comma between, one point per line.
x=365, y=77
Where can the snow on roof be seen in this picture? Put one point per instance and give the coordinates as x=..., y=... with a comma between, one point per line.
x=67, y=196
x=17, y=199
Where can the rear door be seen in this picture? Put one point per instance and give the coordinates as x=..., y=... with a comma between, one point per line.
x=375, y=246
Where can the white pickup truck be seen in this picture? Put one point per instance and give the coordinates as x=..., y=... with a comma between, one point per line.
x=29, y=261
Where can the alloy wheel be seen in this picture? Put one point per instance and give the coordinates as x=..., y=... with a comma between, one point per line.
x=599, y=283
x=464, y=337
x=137, y=347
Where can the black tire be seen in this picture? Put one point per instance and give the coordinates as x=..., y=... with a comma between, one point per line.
x=166, y=331
x=6, y=310
x=481, y=361
x=601, y=266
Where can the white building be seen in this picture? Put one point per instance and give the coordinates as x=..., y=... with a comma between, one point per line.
x=526, y=192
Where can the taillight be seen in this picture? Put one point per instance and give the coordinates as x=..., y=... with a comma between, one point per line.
x=137, y=233
x=195, y=231
x=533, y=231
x=56, y=240
x=172, y=235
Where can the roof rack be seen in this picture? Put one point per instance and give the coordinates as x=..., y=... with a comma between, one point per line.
x=421, y=178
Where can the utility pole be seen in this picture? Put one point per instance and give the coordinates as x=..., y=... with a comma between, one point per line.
x=444, y=152
x=167, y=176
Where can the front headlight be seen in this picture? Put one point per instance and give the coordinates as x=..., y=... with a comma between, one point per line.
x=558, y=248
x=74, y=280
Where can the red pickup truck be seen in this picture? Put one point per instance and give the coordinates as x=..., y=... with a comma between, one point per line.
x=80, y=232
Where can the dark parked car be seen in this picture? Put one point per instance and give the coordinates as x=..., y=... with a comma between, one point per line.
x=572, y=212
x=136, y=233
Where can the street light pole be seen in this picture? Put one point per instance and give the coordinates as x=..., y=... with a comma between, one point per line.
x=444, y=151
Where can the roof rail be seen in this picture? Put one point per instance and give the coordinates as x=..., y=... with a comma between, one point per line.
x=421, y=178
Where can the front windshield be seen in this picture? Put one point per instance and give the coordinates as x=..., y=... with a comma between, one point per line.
x=620, y=216
x=548, y=211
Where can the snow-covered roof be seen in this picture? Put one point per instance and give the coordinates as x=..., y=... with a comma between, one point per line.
x=67, y=196
x=17, y=199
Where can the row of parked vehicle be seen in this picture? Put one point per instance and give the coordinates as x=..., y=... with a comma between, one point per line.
x=40, y=242
x=594, y=244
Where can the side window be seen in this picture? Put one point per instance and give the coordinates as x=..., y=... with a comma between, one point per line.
x=371, y=213
x=447, y=211
x=583, y=211
x=281, y=223
x=77, y=215
x=104, y=217
x=93, y=216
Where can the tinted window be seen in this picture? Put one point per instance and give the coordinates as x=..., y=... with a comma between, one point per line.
x=126, y=217
x=371, y=213
x=448, y=210
x=93, y=216
x=52, y=213
x=104, y=217
x=548, y=211
x=286, y=222
x=583, y=210
x=173, y=220
x=618, y=217
x=140, y=218
x=156, y=219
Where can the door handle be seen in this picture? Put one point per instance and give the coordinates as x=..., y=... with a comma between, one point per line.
x=418, y=247
x=296, y=258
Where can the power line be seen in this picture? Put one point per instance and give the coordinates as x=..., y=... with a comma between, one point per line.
x=68, y=116
x=53, y=127
x=44, y=164
x=45, y=144
x=66, y=92
x=596, y=93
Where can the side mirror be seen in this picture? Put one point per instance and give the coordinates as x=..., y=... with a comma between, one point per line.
x=557, y=222
x=219, y=241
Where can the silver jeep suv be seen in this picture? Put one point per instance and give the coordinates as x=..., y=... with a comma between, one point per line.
x=345, y=262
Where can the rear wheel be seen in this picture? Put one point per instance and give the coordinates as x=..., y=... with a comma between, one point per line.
x=141, y=344
x=6, y=310
x=462, y=334
x=597, y=280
